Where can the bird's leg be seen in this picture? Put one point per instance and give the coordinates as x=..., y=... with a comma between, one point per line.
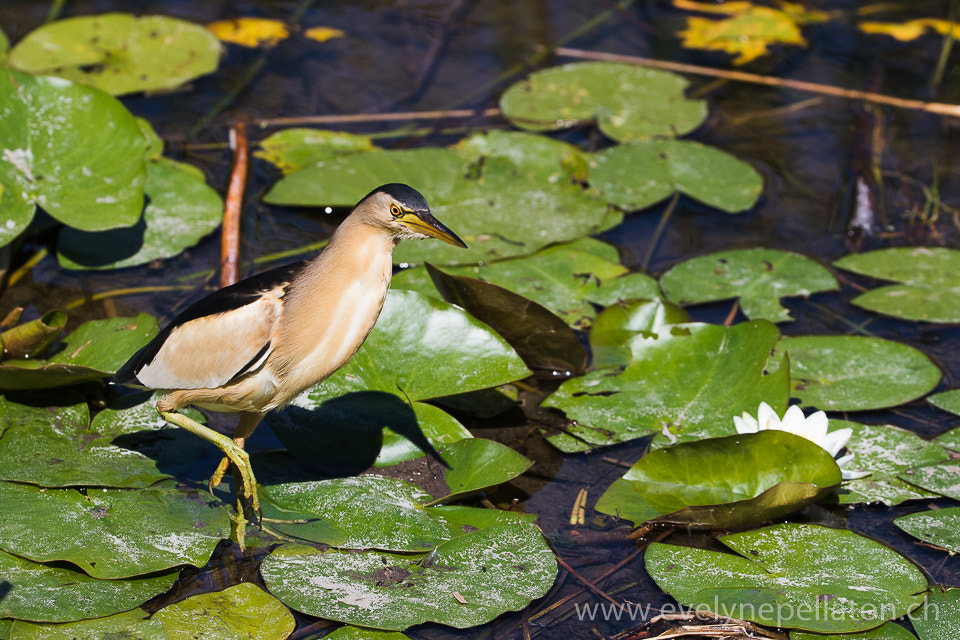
x=248, y=422
x=231, y=450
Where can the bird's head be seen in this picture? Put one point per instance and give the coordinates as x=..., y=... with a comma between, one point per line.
x=402, y=212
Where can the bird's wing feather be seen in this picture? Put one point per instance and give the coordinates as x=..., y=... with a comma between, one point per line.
x=214, y=340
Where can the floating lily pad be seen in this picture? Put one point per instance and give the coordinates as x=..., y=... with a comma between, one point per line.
x=53, y=447
x=565, y=278
x=614, y=327
x=478, y=463
x=544, y=341
x=492, y=570
x=758, y=277
x=940, y=527
x=356, y=633
x=639, y=175
x=497, y=210
x=886, y=452
x=939, y=619
x=684, y=383
x=241, y=612
x=423, y=348
x=627, y=102
x=44, y=593
x=794, y=576
x=943, y=478
x=888, y=631
x=181, y=209
x=856, y=373
x=928, y=280
x=129, y=624
x=294, y=149
x=94, y=351
x=723, y=483
x=55, y=155
x=111, y=533
x=946, y=400
x=119, y=53
x=545, y=159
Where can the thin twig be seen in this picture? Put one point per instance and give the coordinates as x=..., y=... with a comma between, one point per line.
x=25, y=268
x=116, y=293
x=733, y=313
x=658, y=232
x=349, y=118
x=230, y=234
x=939, y=108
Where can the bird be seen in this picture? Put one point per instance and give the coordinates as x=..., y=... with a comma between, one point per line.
x=253, y=346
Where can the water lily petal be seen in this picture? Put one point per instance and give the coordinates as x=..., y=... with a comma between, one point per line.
x=767, y=418
x=817, y=428
x=794, y=422
x=836, y=440
x=849, y=474
x=746, y=424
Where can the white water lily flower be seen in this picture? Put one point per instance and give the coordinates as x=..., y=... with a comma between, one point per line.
x=813, y=428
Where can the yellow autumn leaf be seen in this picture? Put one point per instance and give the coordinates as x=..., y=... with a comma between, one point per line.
x=748, y=30
x=912, y=29
x=322, y=34
x=250, y=32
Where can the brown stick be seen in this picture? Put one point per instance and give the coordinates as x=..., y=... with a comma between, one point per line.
x=230, y=234
x=378, y=117
x=939, y=108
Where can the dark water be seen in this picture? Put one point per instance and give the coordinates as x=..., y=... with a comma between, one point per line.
x=414, y=55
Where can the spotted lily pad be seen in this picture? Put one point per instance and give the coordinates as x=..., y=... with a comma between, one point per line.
x=489, y=203
x=464, y=582
x=627, y=102
x=294, y=149
x=794, y=576
x=886, y=452
x=928, y=284
x=723, y=483
x=856, y=373
x=129, y=624
x=45, y=593
x=181, y=209
x=936, y=526
x=942, y=478
x=888, y=631
x=545, y=159
x=54, y=154
x=682, y=383
x=939, y=619
x=946, y=400
x=758, y=277
x=241, y=612
x=614, y=327
x=639, y=175
x=94, y=351
x=111, y=533
x=356, y=633
x=118, y=52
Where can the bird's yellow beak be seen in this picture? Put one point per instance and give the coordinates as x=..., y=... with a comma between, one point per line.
x=424, y=222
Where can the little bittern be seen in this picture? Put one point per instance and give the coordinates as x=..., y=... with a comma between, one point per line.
x=253, y=346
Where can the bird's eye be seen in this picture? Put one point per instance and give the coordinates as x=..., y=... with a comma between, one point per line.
x=395, y=211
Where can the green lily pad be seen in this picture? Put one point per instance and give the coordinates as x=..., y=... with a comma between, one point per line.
x=856, y=373
x=949, y=439
x=55, y=155
x=181, y=209
x=129, y=624
x=888, y=631
x=545, y=159
x=119, y=53
x=758, y=277
x=943, y=478
x=497, y=210
x=293, y=149
x=886, y=452
x=564, y=278
x=627, y=102
x=356, y=633
x=940, y=527
x=685, y=383
x=94, y=351
x=111, y=533
x=939, y=619
x=478, y=463
x=641, y=174
x=42, y=593
x=928, y=286
x=241, y=612
x=723, y=483
x=423, y=348
x=492, y=570
x=794, y=576
x=544, y=341
x=946, y=400
x=616, y=325
x=54, y=447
